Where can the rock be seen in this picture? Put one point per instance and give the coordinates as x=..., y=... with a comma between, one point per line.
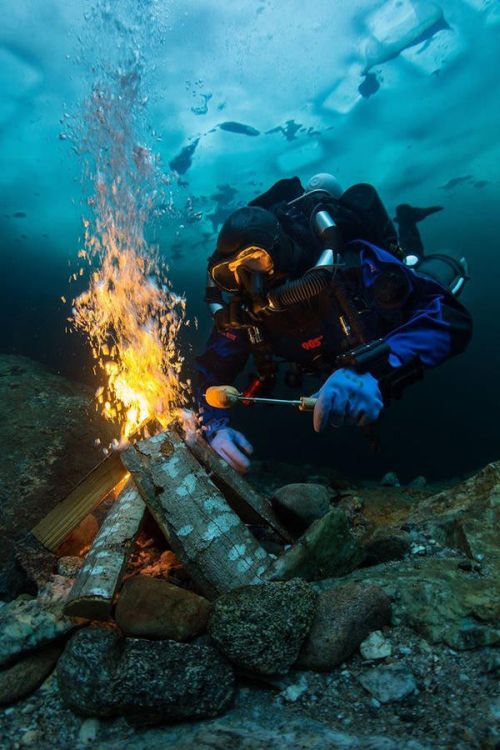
x=88, y=731
x=153, y=608
x=80, y=539
x=385, y=545
x=390, y=480
x=438, y=600
x=300, y=504
x=293, y=692
x=261, y=628
x=282, y=731
x=344, y=617
x=389, y=683
x=35, y=559
x=26, y=625
x=26, y=675
x=466, y=517
x=49, y=425
x=69, y=566
x=375, y=646
x=418, y=483
x=328, y=548
x=55, y=592
x=102, y=674
x=14, y=580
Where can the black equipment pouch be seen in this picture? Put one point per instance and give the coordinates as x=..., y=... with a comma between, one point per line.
x=374, y=358
x=393, y=382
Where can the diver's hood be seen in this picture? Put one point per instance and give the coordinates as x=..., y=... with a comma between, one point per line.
x=254, y=226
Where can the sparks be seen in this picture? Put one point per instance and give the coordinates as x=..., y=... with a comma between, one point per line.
x=129, y=313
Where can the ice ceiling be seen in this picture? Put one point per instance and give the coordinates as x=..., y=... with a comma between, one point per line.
x=401, y=93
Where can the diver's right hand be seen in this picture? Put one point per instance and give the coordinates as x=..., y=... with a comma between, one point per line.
x=233, y=447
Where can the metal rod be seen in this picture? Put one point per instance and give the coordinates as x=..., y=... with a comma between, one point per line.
x=256, y=399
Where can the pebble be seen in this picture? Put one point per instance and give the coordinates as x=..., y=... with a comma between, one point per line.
x=293, y=692
x=69, y=566
x=88, y=731
x=389, y=683
x=375, y=646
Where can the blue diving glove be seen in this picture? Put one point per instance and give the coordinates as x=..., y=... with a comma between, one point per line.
x=347, y=398
x=233, y=447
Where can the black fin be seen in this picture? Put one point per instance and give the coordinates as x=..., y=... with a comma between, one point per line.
x=410, y=214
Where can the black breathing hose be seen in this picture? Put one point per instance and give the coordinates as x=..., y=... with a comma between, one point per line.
x=300, y=290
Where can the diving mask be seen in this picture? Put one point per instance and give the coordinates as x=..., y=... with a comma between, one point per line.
x=228, y=275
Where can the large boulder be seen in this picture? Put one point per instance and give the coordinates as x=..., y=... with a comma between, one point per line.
x=102, y=674
x=344, y=617
x=153, y=608
x=261, y=628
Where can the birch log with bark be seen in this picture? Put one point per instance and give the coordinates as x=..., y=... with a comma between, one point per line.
x=99, y=577
x=204, y=532
x=249, y=504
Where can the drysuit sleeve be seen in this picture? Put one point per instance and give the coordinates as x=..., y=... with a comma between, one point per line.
x=224, y=358
x=432, y=325
x=438, y=328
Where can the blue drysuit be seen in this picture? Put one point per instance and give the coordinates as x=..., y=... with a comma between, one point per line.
x=428, y=322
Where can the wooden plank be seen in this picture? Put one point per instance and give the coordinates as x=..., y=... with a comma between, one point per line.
x=248, y=504
x=52, y=530
x=204, y=532
x=98, y=579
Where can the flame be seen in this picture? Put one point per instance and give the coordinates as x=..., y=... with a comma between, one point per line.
x=129, y=313
x=132, y=319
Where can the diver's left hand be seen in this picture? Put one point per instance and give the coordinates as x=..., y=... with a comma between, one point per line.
x=347, y=398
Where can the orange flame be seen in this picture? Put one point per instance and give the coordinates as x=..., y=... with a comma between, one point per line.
x=132, y=319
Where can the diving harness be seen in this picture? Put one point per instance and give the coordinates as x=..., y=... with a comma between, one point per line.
x=361, y=354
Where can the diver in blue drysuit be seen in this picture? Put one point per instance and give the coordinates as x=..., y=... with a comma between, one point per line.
x=359, y=317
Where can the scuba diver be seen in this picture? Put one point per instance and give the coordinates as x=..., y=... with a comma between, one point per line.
x=317, y=278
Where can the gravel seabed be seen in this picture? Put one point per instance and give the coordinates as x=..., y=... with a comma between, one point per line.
x=456, y=706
